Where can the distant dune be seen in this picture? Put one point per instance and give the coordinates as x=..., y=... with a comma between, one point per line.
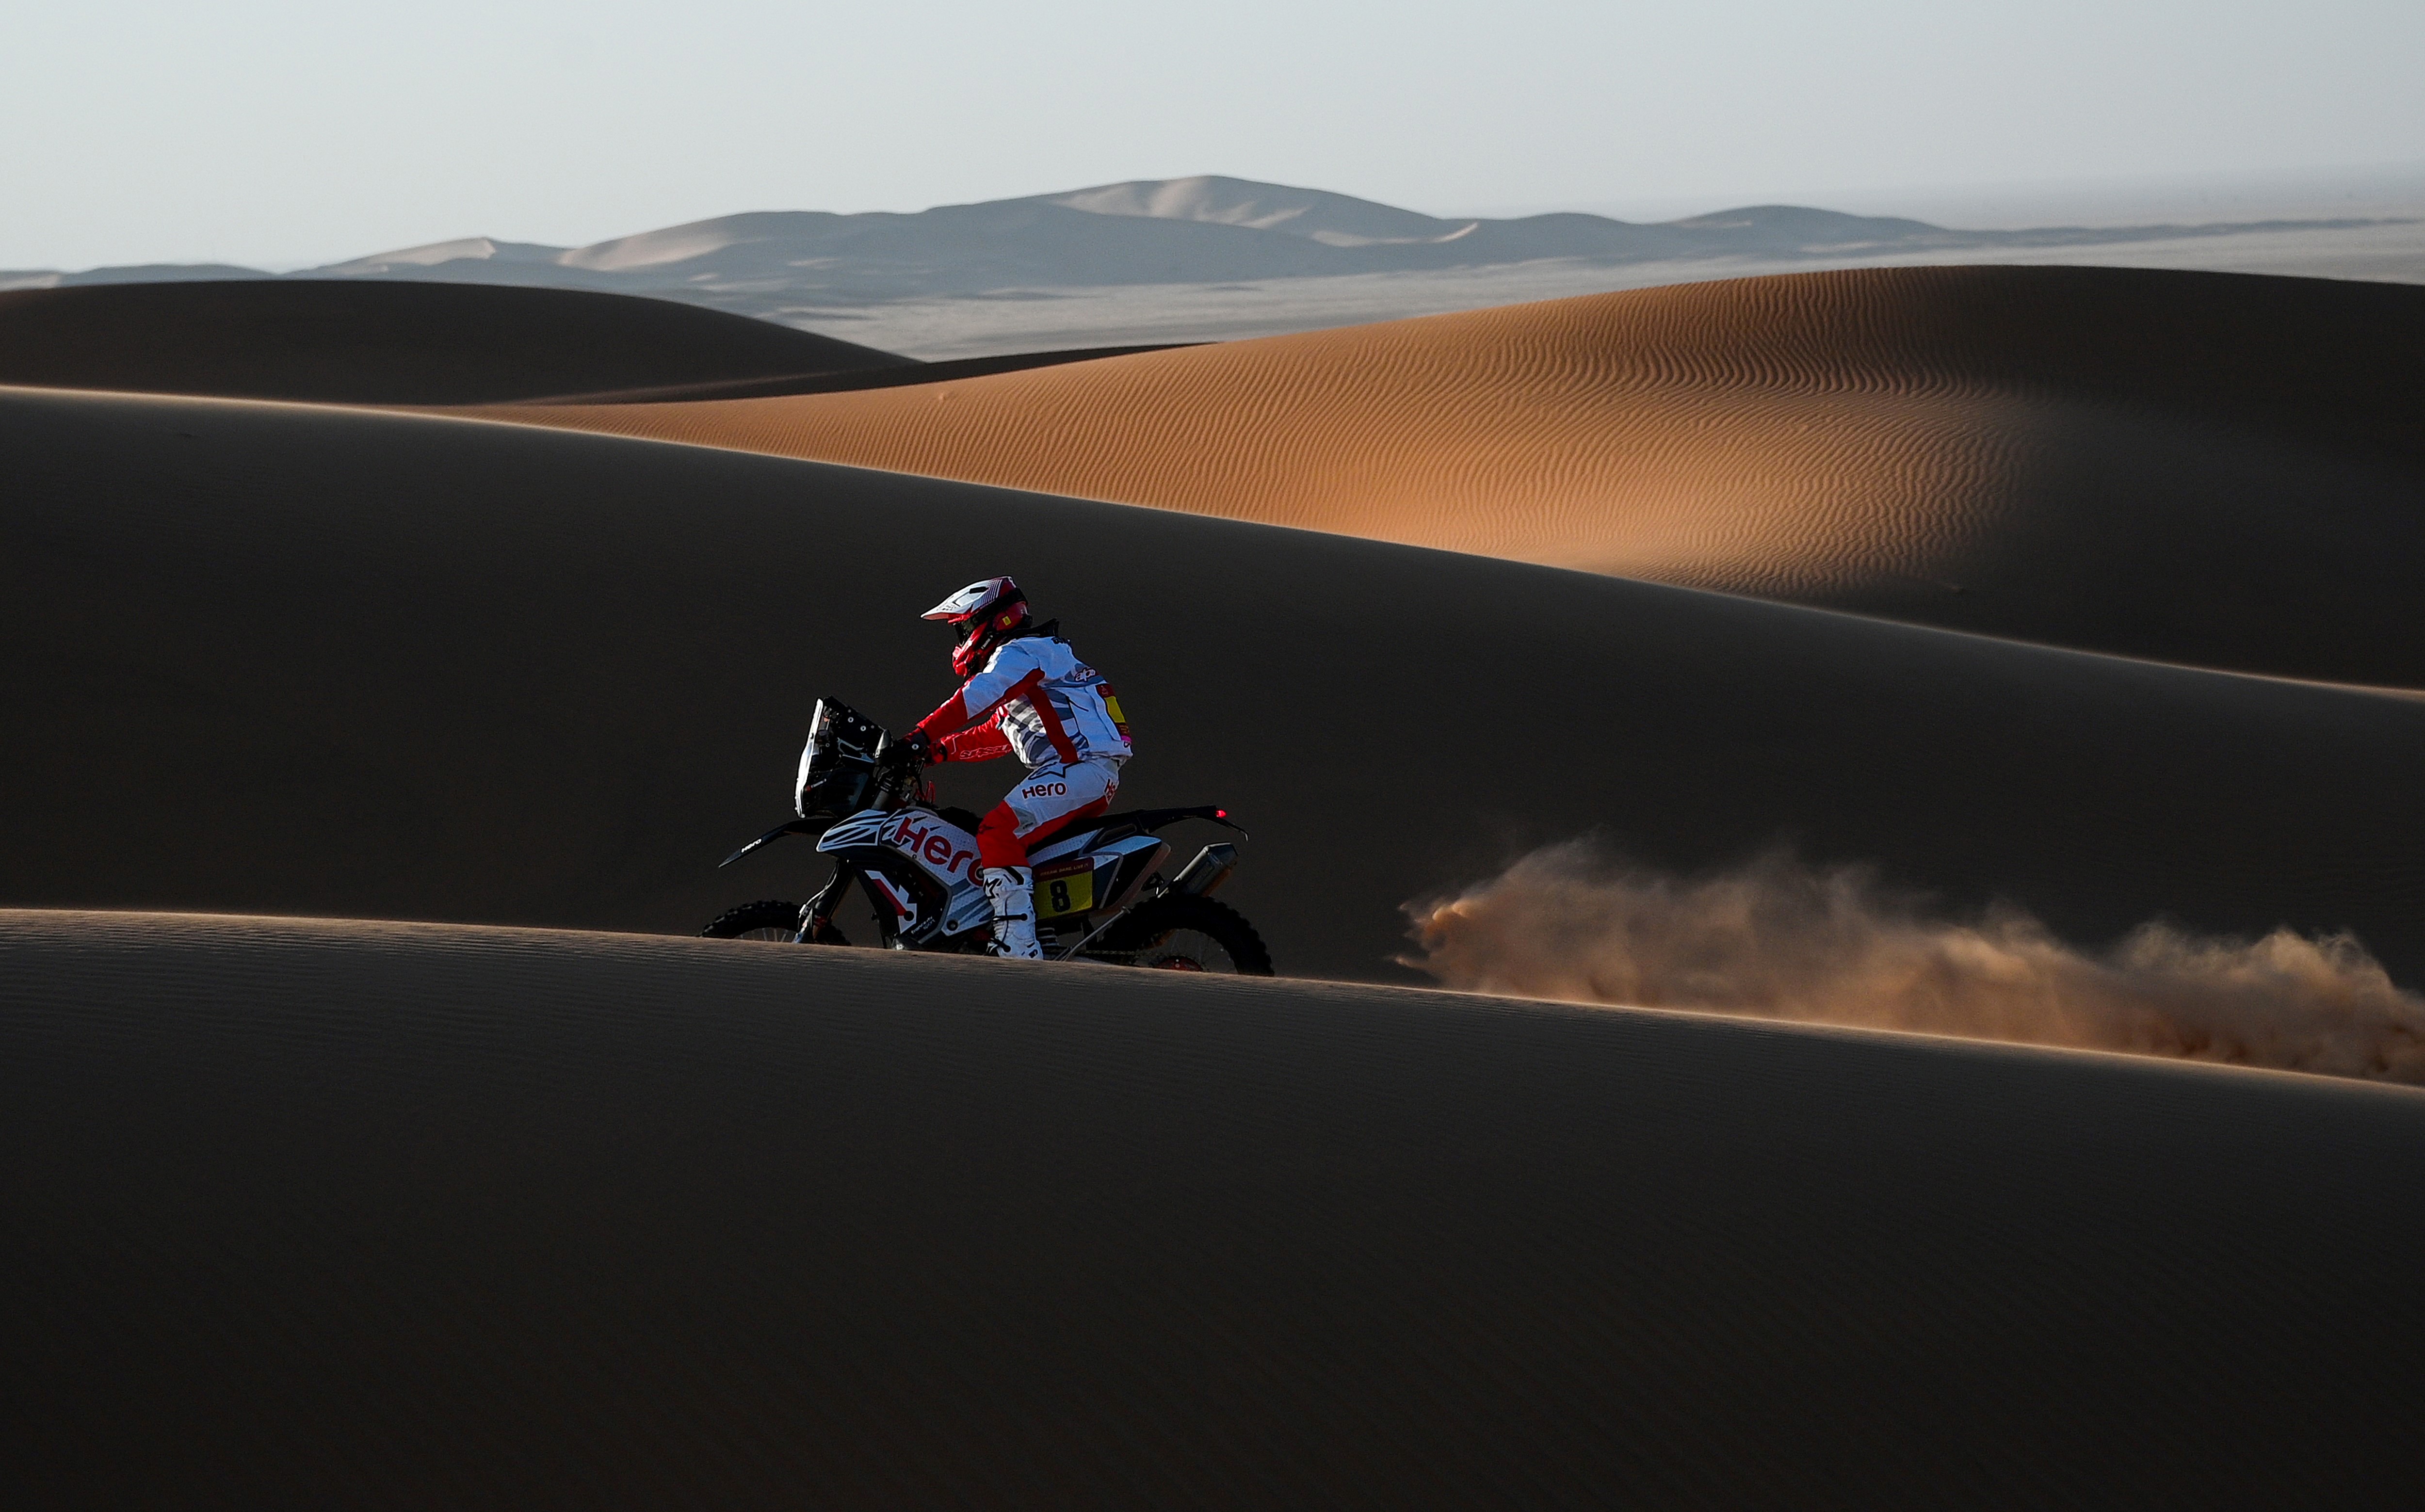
x=1102, y=262
x=363, y=1214
x=2220, y=470
x=391, y=342
x=312, y=660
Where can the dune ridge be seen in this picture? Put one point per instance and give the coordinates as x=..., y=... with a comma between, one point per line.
x=390, y=1215
x=392, y=343
x=2218, y=470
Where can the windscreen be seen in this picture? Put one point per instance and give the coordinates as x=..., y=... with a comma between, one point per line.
x=816, y=760
x=838, y=764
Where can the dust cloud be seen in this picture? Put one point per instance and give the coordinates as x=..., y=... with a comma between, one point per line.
x=1781, y=939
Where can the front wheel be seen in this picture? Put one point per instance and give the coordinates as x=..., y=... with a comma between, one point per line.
x=770, y=919
x=1186, y=934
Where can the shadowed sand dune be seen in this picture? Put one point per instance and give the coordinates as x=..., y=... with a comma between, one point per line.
x=2221, y=470
x=300, y=659
x=391, y=342
x=367, y=1214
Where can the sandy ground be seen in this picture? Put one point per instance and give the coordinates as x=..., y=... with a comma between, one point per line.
x=392, y=1214
x=2224, y=470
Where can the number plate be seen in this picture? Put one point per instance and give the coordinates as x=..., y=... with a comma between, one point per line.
x=1071, y=894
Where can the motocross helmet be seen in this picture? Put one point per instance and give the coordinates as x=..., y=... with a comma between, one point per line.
x=985, y=614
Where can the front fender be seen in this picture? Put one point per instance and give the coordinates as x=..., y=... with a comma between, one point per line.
x=796, y=826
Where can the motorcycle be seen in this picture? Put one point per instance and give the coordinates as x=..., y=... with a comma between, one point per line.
x=1099, y=891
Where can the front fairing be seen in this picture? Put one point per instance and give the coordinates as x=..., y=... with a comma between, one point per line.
x=917, y=841
x=865, y=827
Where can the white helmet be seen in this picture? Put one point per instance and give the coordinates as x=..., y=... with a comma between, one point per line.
x=986, y=613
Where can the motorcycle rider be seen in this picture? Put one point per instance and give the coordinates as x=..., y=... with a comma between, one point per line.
x=1024, y=693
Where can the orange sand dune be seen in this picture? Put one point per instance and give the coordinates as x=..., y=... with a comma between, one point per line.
x=2215, y=469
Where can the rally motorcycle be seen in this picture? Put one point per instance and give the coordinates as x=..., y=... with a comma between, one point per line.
x=1099, y=891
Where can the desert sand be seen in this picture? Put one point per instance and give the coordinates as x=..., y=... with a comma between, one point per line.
x=530, y=1203
x=2222, y=470
x=382, y=1214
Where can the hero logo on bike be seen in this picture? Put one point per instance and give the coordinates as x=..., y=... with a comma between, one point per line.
x=932, y=845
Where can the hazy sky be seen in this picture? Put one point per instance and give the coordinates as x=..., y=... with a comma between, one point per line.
x=280, y=132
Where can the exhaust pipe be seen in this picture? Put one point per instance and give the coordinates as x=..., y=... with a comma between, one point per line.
x=1203, y=876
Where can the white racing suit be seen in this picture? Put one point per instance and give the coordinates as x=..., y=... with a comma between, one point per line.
x=1034, y=700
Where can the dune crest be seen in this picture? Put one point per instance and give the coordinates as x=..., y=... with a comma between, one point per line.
x=2211, y=469
x=365, y=343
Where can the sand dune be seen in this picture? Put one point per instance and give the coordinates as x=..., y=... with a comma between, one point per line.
x=2211, y=469
x=1332, y=219
x=1108, y=255
x=391, y=342
x=385, y=1215
x=311, y=660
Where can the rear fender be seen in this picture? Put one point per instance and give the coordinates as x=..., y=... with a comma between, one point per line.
x=1151, y=819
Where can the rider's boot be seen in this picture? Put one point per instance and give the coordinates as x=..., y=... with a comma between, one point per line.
x=1011, y=892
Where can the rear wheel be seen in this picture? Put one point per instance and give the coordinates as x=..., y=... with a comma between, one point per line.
x=1187, y=934
x=770, y=919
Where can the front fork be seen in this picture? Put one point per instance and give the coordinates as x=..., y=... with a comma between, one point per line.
x=816, y=916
